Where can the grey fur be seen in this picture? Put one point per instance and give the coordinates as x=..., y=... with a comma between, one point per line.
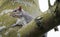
x=23, y=18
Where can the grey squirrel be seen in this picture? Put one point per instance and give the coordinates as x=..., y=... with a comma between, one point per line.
x=22, y=17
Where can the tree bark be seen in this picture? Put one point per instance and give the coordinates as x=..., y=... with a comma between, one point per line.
x=33, y=30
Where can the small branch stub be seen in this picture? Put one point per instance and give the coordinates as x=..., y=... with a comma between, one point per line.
x=38, y=22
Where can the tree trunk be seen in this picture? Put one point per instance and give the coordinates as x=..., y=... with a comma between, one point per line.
x=48, y=22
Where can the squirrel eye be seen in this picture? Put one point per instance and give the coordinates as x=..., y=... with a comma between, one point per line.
x=15, y=11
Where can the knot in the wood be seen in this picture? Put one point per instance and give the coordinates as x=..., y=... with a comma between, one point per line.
x=38, y=22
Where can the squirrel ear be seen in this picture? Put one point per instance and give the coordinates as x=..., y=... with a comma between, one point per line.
x=19, y=8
